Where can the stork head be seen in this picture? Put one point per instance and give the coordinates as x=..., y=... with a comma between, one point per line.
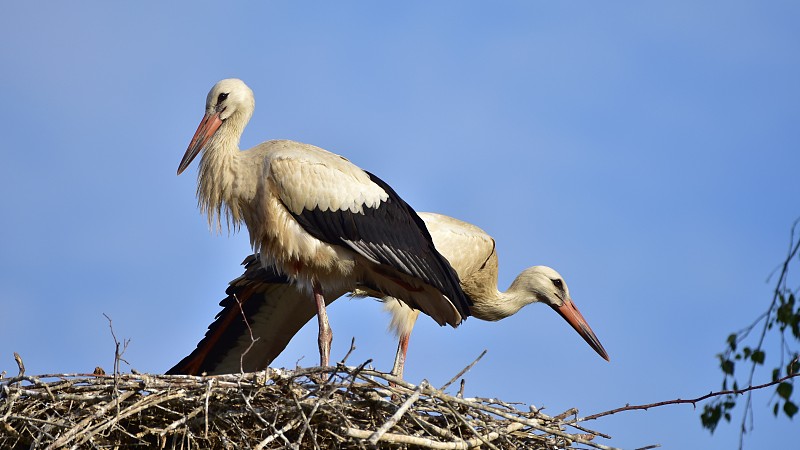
x=547, y=286
x=229, y=102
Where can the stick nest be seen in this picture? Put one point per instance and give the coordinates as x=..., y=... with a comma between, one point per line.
x=333, y=407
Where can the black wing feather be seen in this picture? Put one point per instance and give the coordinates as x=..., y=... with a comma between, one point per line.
x=229, y=325
x=391, y=234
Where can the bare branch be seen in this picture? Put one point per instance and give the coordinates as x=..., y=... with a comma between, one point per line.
x=20, y=364
x=349, y=352
x=376, y=436
x=463, y=371
x=249, y=330
x=693, y=401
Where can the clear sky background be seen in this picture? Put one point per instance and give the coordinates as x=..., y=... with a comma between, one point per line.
x=646, y=150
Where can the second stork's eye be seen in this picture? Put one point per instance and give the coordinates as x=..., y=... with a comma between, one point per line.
x=558, y=284
x=222, y=97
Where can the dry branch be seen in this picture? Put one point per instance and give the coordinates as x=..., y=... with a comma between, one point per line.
x=692, y=401
x=354, y=407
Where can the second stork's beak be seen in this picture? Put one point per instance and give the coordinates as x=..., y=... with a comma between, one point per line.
x=570, y=313
x=208, y=126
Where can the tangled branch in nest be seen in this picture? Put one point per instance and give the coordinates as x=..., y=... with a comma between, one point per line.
x=353, y=407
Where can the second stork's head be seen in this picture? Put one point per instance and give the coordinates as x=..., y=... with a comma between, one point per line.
x=543, y=284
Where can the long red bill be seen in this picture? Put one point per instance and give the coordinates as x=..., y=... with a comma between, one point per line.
x=208, y=126
x=571, y=314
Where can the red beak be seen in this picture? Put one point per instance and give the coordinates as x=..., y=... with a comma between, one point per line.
x=208, y=126
x=571, y=314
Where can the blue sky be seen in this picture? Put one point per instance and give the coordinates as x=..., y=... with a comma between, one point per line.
x=646, y=150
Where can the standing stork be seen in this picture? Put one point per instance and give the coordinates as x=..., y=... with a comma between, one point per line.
x=315, y=217
x=265, y=304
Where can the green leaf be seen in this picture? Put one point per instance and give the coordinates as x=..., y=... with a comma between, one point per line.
x=790, y=409
x=727, y=366
x=710, y=417
x=785, y=390
x=732, y=341
x=758, y=357
x=775, y=373
x=785, y=313
x=775, y=409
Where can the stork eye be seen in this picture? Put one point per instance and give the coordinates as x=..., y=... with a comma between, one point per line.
x=222, y=97
x=558, y=283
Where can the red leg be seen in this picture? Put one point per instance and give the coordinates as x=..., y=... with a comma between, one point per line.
x=325, y=333
x=400, y=357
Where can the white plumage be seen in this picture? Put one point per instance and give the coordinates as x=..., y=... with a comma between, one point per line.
x=316, y=217
x=471, y=252
x=275, y=316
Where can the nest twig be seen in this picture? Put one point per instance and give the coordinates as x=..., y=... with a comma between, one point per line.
x=353, y=407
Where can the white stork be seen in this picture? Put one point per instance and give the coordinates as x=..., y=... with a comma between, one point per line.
x=317, y=218
x=273, y=310
x=471, y=252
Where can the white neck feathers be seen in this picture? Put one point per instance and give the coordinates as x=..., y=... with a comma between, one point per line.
x=217, y=180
